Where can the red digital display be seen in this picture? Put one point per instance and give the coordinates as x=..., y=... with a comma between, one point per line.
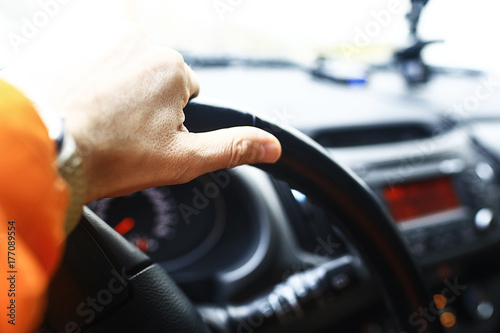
x=416, y=199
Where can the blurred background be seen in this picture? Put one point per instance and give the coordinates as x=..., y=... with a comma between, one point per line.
x=298, y=30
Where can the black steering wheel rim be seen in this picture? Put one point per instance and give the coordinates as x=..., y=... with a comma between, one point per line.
x=306, y=166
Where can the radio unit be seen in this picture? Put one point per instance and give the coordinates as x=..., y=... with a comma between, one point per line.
x=447, y=199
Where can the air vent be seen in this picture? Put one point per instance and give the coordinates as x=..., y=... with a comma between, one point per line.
x=371, y=135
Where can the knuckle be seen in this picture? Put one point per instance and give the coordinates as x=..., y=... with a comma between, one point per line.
x=178, y=59
x=170, y=65
x=174, y=58
x=169, y=59
x=242, y=151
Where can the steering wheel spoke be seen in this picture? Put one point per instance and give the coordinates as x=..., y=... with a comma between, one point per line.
x=292, y=301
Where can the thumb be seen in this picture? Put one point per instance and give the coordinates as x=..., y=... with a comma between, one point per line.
x=227, y=148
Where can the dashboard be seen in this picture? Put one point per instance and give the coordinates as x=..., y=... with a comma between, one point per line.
x=230, y=236
x=195, y=229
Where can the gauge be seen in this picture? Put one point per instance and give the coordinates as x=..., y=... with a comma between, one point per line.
x=174, y=225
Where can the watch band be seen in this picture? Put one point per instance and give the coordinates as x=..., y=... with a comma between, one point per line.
x=70, y=168
x=69, y=160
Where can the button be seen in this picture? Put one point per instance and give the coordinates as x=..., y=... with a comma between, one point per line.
x=485, y=171
x=483, y=218
x=452, y=166
x=266, y=309
x=484, y=310
x=298, y=286
x=477, y=304
x=340, y=281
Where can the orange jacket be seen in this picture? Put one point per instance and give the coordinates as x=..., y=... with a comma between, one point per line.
x=33, y=202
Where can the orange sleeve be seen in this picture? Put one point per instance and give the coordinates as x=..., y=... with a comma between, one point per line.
x=33, y=202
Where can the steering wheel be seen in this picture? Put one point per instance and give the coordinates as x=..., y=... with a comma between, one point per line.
x=106, y=284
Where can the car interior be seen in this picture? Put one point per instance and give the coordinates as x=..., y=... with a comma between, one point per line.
x=382, y=215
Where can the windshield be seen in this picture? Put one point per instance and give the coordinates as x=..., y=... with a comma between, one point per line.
x=356, y=30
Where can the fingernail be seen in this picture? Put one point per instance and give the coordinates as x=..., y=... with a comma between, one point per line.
x=271, y=152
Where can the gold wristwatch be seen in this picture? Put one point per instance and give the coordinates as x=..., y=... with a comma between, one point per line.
x=70, y=168
x=69, y=163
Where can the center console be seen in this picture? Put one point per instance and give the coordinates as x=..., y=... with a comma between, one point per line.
x=441, y=192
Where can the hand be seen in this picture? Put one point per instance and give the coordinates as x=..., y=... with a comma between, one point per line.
x=123, y=101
